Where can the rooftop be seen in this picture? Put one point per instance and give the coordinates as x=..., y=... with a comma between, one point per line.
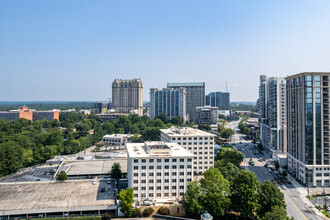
x=156, y=149
x=305, y=74
x=185, y=131
x=117, y=135
x=186, y=84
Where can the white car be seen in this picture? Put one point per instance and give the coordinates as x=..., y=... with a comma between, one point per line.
x=283, y=187
x=94, y=182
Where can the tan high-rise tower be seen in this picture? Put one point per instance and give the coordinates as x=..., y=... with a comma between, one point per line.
x=127, y=96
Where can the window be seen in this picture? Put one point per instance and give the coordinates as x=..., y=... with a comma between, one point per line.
x=136, y=174
x=136, y=181
x=143, y=181
x=173, y=180
x=189, y=159
x=166, y=181
x=174, y=174
x=159, y=181
x=136, y=160
x=159, y=160
x=151, y=160
x=174, y=160
x=167, y=167
x=135, y=188
x=167, y=160
x=159, y=194
x=200, y=138
x=189, y=166
x=184, y=143
x=159, y=188
x=143, y=160
x=151, y=174
x=159, y=174
x=184, y=138
x=151, y=167
x=151, y=181
x=143, y=167
x=200, y=143
x=179, y=139
x=165, y=187
x=195, y=143
x=182, y=173
x=166, y=174
x=159, y=167
x=151, y=195
x=173, y=194
x=143, y=174
x=181, y=187
x=181, y=166
x=151, y=188
x=136, y=167
x=181, y=180
x=143, y=188
x=174, y=167
x=181, y=160
x=195, y=138
x=166, y=194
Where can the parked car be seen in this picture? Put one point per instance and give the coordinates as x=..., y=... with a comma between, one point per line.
x=108, y=180
x=283, y=187
x=103, y=189
x=94, y=182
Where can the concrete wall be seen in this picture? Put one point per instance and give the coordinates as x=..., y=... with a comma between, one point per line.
x=173, y=209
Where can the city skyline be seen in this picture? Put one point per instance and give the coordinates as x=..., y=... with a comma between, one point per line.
x=59, y=50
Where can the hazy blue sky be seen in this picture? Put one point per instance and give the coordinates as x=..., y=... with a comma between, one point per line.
x=73, y=50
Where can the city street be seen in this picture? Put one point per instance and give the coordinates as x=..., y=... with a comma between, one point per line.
x=296, y=207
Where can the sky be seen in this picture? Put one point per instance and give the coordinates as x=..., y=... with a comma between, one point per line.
x=73, y=50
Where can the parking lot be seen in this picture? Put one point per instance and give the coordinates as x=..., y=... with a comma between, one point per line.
x=53, y=195
x=36, y=174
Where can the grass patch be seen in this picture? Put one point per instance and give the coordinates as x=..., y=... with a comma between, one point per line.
x=325, y=212
x=226, y=147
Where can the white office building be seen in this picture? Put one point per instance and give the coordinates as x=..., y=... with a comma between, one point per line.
x=117, y=139
x=199, y=143
x=158, y=171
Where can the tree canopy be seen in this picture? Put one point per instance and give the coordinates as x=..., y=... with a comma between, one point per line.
x=126, y=199
x=230, y=155
x=116, y=171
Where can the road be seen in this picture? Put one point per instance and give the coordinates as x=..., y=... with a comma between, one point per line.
x=295, y=205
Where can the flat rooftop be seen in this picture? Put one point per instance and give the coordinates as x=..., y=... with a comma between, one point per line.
x=117, y=135
x=36, y=197
x=90, y=167
x=156, y=149
x=185, y=131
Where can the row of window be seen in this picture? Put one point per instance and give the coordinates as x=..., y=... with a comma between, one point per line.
x=158, y=187
x=201, y=152
x=211, y=158
x=160, y=167
x=165, y=160
x=160, y=174
x=200, y=148
x=206, y=167
x=159, y=195
x=195, y=143
x=195, y=138
x=160, y=181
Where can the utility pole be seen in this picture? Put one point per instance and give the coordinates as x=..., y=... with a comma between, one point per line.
x=325, y=197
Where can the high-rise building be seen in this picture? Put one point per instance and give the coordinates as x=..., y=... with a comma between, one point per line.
x=218, y=99
x=158, y=171
x=171, y=102
x=195, y=96
x=308, y=123
x=272, y=107
x=198, y=142
x=206, y=115
x=127, y=96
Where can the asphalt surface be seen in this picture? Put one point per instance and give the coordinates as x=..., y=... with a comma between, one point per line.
x=295, y=205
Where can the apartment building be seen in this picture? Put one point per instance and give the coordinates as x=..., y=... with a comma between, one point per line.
x=272, y=109
x=198, y=142
x=308, y=114
x=218, y=99
x=195, y=96
x=127, y=96
x=158, y=171
x=171, y=102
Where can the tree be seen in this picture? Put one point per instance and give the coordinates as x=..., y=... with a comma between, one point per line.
x=62, y=176
x=11, y=159
x=222, y=116
x=245, y=195
x=147, y=212
x=277, y=213
x=269, y=197
x=230, y=155
x=162, y=117
x=277, y=165
x=126, y=199
x=193, y=202
x=177, y=120
x=216, y=188
x=227, y=133
x=163, y=211
x=116, y=171
x=204, y=127
x=229, y=170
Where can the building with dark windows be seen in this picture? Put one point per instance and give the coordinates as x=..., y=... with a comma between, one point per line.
x=171, y=102
x=127, y=96
x=206, y=115
x=195, y=96
x=218, y=99
x=30, y=114
x=308, y=116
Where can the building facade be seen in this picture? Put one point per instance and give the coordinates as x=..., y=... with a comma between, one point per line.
x=171, y=102
x=117, y=139
x=198, y=142
x=195, y=96
x=158, y=171
x=127, y=96
x=30, y=114
x=218, y=99
x=206, y=115
x=272, y=109
x=308, y=127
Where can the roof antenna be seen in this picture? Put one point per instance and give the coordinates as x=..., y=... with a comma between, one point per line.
x=226, y=86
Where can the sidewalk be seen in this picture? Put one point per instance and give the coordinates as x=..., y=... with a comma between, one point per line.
x=303, y=193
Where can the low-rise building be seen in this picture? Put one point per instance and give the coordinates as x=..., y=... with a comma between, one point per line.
x=30, y=114
x=158, y=171
x=198, y=142
x=117, y=139
x=110, y=116
x=206, y=115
